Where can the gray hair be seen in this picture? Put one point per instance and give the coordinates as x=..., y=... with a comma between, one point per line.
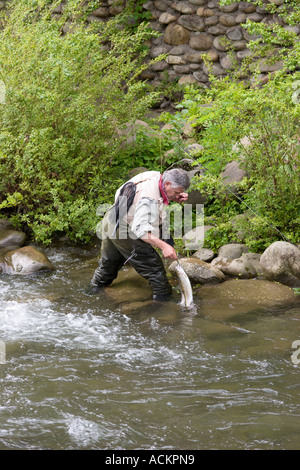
x=177, y=177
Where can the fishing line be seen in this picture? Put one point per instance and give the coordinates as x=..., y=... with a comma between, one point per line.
x=234, y=194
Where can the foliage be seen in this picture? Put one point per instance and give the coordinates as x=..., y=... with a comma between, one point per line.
x=67, y=96
x=259, y=127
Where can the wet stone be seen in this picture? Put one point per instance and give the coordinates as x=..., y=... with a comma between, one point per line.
x=24, y=261
x=11, y=237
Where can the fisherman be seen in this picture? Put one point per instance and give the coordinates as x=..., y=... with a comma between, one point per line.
x=134, y=227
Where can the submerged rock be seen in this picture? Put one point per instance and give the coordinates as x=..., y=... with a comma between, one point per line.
x=235, y=297
x=25, y=260
x=281, y=262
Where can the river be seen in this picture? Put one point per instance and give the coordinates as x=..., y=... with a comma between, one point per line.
x=81, y=373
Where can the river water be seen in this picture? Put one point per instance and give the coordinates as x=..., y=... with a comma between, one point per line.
x=81, y=372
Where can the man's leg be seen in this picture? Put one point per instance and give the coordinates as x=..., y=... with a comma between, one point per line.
x=147, y=262
x=110, y=262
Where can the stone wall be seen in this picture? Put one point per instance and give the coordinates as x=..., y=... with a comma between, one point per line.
x=190, y=28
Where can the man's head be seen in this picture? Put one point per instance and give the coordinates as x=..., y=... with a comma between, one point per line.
x=176, y=182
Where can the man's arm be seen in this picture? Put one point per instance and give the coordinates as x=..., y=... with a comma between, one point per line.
x=167, y=250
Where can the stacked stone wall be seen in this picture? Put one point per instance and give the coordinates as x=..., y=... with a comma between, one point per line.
x=191, y=28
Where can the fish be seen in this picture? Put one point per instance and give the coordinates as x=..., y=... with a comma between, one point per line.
x=185, y=287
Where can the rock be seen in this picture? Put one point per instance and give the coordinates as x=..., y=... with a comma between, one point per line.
x=232, y=250
x=254, y=259
x=266, y=66
x=198, y=271
x=235, y=34
x=228, y=62
x=167, y=18
x=183, y=7
x=176, y=34
x=205, y=12
x=11, y=238
x=201, y=42
x=6, y=223
x=195, y=57
x=192, y=23
x=221, y=43
x=239, y=297
x=194, y=239
x=186, y=80
x=25, y=260
x=229, y=8
x=227, y=20
x=232, y=174
x=205, y=254
x=128, y=135
x=281, y=262
x=102, y=12
x=200, y=77
x=240, y=267
x=129, y=287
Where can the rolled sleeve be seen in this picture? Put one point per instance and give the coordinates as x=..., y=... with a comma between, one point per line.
x=146, y=218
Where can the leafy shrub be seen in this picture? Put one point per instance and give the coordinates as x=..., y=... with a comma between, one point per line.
x=268, y=118
x=66, y=98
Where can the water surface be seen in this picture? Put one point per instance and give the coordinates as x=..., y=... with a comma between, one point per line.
x=83, y=372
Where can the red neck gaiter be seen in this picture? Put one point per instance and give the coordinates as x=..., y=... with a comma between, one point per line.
x=163, y=192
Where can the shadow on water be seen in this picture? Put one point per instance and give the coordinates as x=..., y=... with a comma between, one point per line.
x=119, y=371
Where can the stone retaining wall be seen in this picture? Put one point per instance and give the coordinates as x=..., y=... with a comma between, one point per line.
x=191, y=28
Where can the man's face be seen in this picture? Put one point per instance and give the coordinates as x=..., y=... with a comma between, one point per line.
x=174, y=194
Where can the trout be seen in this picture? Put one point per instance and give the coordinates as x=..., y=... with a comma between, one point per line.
x=185, y=287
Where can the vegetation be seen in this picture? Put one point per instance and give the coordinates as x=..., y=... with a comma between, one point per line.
x=257, y=125
x=68, y=101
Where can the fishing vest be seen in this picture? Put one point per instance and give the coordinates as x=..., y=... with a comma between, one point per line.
x=146, y=186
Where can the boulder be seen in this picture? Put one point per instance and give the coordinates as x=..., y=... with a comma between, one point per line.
x=6, y=223
x=194, y=239
x=232, y=250
x=176, y=34
x=281, y=262
x=254, y=259
x=25, y=260
x=198, y=271
x=240, y=267
x=241, y=297
x=10, y=237
x=205, y=254
x=233, y=174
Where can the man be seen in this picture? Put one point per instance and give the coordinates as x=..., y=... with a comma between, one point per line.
x=134, y=226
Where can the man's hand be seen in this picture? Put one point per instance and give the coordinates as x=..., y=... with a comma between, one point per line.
x=167, y=250
x=183, y=197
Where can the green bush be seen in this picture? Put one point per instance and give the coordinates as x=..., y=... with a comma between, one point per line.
x=67, y=96
x=268, y=117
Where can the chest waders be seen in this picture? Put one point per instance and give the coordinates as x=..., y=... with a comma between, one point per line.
x=116, y=250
